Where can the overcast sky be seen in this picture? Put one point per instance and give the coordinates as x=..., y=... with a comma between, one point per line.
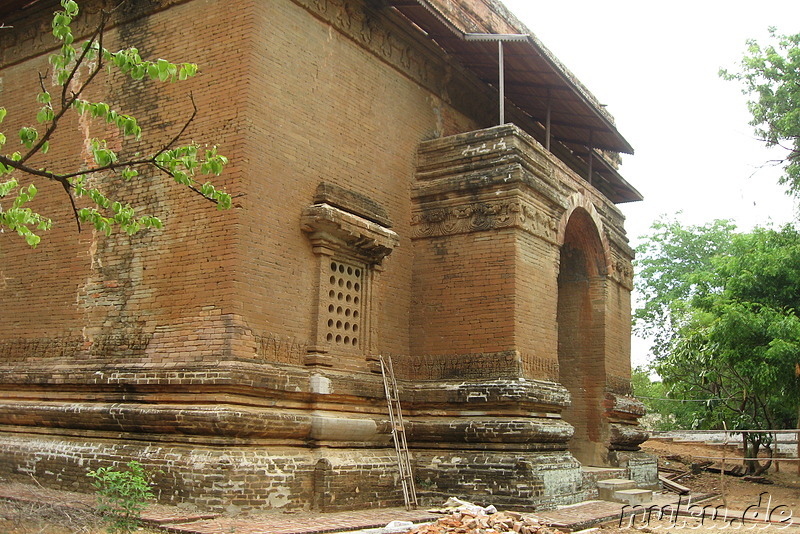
x=655, y=65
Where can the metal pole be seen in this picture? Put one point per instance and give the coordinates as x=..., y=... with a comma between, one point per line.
x=547, y=122
x=499, y=37
x=591, y=156
x=502, y=76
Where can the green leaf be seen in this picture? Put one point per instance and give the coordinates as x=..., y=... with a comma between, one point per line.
x=70, y=7
x=28, y=136
x=163, y=74
x=8, y=186
x=32, y=239
x=44, y=115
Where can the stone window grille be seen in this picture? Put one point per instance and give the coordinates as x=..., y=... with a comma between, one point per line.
x=350, y=237
x=344, y=303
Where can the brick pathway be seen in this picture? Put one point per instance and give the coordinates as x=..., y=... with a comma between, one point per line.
x=590, y=513
x=305, y=523
x=180, y=521
x=175, y=519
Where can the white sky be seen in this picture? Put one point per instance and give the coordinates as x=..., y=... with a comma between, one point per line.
x=655, y=65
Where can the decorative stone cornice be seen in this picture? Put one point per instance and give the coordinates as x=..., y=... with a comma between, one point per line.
x=535, y=432
x=334, y=229
x=508, y=211
x=624, y=406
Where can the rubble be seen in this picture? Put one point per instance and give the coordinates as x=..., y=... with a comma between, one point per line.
x=497, y=523
x=468, y=518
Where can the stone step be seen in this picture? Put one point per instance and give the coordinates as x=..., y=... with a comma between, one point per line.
x=633, y=496
x=607, y=488
x=591, y=475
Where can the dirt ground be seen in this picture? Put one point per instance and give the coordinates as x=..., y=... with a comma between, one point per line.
x=784, y=492
x=49, y=518
x=783, y=495
x=785, y=487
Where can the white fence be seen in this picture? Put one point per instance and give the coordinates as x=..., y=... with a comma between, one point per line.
x=785, y=443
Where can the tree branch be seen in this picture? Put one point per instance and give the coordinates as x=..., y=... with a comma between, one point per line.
x=181, y=132
x=67, y=103
x=98, y=35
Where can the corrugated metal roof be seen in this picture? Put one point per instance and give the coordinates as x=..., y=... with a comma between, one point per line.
x=533, y=78
x=534, y=81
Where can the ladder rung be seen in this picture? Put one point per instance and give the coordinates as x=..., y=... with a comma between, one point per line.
x=398, y=432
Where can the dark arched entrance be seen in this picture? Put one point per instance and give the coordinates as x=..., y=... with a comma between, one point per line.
x=581, y=335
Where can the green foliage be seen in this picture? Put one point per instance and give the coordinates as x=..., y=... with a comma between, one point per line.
x=122, y=495
x=663, y=412
x=190, y=165
x=770, y=75
x=19, y=218
x=734, y=336
x=666, y=262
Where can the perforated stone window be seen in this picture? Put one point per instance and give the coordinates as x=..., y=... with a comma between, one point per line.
x=350, y=238
x=345, y=304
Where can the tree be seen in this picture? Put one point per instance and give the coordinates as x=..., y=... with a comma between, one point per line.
x=663, y=413
x=75, y=68
x=665, y=261
x=771, y=77
x=736, y=339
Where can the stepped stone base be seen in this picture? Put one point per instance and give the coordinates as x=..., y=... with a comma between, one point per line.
x=231, y=478
x=639, y=467
x=607, y=488
x=518, y=480
x=633, y=496
x=226, y=478
x=623, y=491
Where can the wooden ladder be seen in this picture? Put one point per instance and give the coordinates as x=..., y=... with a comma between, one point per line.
x=398, y=432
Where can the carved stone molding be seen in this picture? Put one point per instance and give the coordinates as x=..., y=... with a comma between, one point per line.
x=622, y=272
x=535, y=432
x=531, y=395
x=624, y=407
x=436, y=221
x=335, y=229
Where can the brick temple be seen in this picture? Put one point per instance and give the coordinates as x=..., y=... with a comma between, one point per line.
x=388, y=205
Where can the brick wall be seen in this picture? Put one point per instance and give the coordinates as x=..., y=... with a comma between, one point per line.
x=189, y=348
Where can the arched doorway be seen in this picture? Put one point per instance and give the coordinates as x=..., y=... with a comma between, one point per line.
x=581, y=335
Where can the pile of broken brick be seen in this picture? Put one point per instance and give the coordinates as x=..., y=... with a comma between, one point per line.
x=497, y=523
x=466, y=518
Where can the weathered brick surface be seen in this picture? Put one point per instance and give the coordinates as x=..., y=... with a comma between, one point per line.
x=201, y=349
x=514, y=255
x=505, y=479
